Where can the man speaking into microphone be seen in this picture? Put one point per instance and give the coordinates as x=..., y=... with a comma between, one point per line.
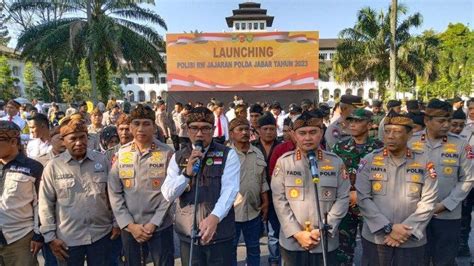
x=294, y=195
x=219, y=180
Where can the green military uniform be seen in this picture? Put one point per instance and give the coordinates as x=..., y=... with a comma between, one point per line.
x=351, y=155
x=377, y=118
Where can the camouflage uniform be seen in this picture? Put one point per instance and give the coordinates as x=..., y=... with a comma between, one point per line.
x=351, y=156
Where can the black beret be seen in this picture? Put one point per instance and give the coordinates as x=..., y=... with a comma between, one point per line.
x=418, y=118
x=393, y=103
x=352, y=100
x=256, y=108
x=266, y=119
x=438, y=108
x=459, y=114
x=413, y=104
x=377, y=103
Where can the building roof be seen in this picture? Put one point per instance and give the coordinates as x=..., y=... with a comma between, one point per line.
x=249, y=11
x=328, y=44
x=8, y=52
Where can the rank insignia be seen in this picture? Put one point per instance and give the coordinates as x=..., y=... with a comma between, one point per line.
x=418, y=146
x=378, y=176
x=415, y=178
x=156, y=157
x=298, y=181
x=298, y=155
x=431, y=170
x=415, y=165
x=218, y=161
x=378, y=163
x=377, y=186
x=126, y=173
x=448, y=170
x=335, y=133
x=450, y=161
x=294, y=193
x=327, y=167
x=276, y=171
x=450, y=150
x=128, y=183
x=155, y=183
x=209, y=161
x=378, y=158
x=327, y=193
x=126, y=157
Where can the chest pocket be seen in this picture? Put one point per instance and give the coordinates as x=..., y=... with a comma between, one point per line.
x=127, y=176
x=294, y=188
x=448, y=170
x=14, y=182
x=100, y=183
x=414, y=183
x=64, y=190
x=378, y=182
x=328, y=188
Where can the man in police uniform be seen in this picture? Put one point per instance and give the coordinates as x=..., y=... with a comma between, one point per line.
x=294, y=195
x=219, y=185
x=20, y=240
x=74, y=210
x=338, y=130
x=396, y=192
x=452, y=157
x=135, y=181
x=351, y=151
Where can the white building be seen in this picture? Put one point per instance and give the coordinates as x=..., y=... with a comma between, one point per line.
x=17, y=66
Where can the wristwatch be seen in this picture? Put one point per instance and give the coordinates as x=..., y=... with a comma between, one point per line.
x=387, y=229
x=183, y=172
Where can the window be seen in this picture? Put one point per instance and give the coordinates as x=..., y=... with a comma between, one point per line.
x=129, y=81
x=325, y=95
x=371, y=93
x=140, y=80
x=16, y=71
x=237, y=26
x=331, y=56
x=255, y=26
x=131, y=96
x=151, y=80
x=262, y=25
x=250, y=26
x=163, y=80
x=243, y=26
x=141, y=96
x=153, y=96
x=322, y=56
x=349, y=92
x=337, y=94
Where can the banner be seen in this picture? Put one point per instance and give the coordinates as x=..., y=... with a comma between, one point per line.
x=265, y=61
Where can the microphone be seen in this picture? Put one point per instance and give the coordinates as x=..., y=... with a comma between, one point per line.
x=198, y=145
x=313, y=166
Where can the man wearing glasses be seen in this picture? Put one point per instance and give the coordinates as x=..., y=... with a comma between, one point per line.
x=452, y=157
x=219, y=184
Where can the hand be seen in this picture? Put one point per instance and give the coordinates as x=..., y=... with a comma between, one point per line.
x=352, y=198
x=150, y=228
x=35, y=247
x=115, y=233
x=59, y=249
x=439, y=207
x=207, y=228
x=389, y=241
x=139, y=232
x=264, y=210
x=401, y=232
x=316, y=235
x=195, y=155
x=305, y=240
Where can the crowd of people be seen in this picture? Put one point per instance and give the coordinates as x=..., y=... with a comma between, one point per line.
x=116, y=184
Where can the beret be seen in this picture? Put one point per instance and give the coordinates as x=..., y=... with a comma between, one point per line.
x=438, y=108
x=142, y=112
x=393, y=103
x=352, y=100
x=266, y=119
x=108, y=133
x=309, y=119
x=418, y=118
x=294, y=108
x=239, y=121
x=200, y=114
x=377, y=103
x=361, y=114
x=459, y=114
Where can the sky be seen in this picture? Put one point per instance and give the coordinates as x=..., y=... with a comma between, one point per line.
x=328, y=16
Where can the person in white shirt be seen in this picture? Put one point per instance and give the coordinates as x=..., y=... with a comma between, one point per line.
x=221, y=124
x=231, y=113
x=12, y=110
x=37, y=105
x=280, y=116
x=41, y=141
x=218, y=188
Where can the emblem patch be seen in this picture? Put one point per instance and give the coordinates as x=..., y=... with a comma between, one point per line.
x=298, y=181
x=209, y=161
x=126, y=157
x=377, y=186
x=294, y=193
x=448, y=170
x=128, y=183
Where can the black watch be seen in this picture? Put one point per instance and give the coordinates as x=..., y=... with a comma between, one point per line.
x=387, y=229
x=186, y=175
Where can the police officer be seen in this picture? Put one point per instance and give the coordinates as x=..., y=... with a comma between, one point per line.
x=294, y=195
x=20, y=240
x=452, y=157
x=76, y=219
x=338, y=130
x=219, y=185
x=135, y=182
x=351, y=151
x=396, y=192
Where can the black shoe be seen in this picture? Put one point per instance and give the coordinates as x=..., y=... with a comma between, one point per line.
x=464, y=251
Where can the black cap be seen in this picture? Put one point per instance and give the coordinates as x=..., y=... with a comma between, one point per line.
x=459, y=114
x=266, y=119
x=352, y=100
x=377, y=103
x=413, y=104
x=418, y=118
x=457, y=99
x=393, y=103
x=256, y=108
x=294, y=108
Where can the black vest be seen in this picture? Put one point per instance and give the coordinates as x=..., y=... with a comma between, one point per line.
x=212, y=169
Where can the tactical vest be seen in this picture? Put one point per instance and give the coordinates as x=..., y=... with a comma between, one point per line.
x=212, y=169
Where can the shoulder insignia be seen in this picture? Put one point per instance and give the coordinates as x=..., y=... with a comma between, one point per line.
x=327, y=167
x=378, y=163
x=378, y=158
x=298, y=155
x=469, y=152
x=418, y=145
x=156, y=157
x=415, y=165
x=431, y=170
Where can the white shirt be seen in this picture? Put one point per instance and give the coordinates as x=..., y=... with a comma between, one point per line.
x=280, y=120
x=175, y=184
x=230, y=114
x=39, y=107
x=224, y=125
x=36, y=147
x=15, y=119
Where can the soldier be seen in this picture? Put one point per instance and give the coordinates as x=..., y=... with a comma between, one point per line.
x=219, y=185
x=294, y=195
x=452, y=157
x=20, y=240
x=251, y=204
x=392, y=106
x=135, y=193
x=351, y=151
x=124, y=134
x=338, y=130
x=396, y=193
x=75, y=215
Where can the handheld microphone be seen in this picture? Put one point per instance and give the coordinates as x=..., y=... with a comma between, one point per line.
x=313, y=166
x=198, y=145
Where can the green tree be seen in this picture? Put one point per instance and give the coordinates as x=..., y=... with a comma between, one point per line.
x=363, y=52
x=120, y=33
x=69, y=93
x=4, y=38
x=7, y=89
x=84, y=81
x=32, y=89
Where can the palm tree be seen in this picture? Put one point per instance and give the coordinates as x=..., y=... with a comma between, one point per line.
x=115, y=36
x=364, y=50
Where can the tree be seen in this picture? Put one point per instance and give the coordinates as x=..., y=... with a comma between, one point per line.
x=363, y=52
x=116, y=35
x=4, y=39
x=68, y=92
x=7, y=89
x=84, y=85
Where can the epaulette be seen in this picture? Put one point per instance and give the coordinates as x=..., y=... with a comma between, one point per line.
x=286, y=154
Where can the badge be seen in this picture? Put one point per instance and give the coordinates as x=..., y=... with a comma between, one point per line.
x=378, y=163
x=415, y=178
x=448, y=170
x=335, y=133
x=450, y=150
x=128, y=183
x=327, y=193
x=418, y=146
x=415, y=165
x=413, y=188
x=431, y=170
x=209, y=161
x=156, y=172
x=98, y=166
x=345, y=175
x=361, y=165
x=327, y=167
x=378, y=158
x=156, y=157
x=155, y=183
x=377, y=186
x=378, y=176
x=126, y=157
x=217, y=161
x=294, y=193
x=126, y=173
x=211, y=154
x=450, y=161
x=469, y=152
x=298, y=155
x=298, y=181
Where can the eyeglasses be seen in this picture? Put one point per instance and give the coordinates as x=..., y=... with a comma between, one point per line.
x=204, y=130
